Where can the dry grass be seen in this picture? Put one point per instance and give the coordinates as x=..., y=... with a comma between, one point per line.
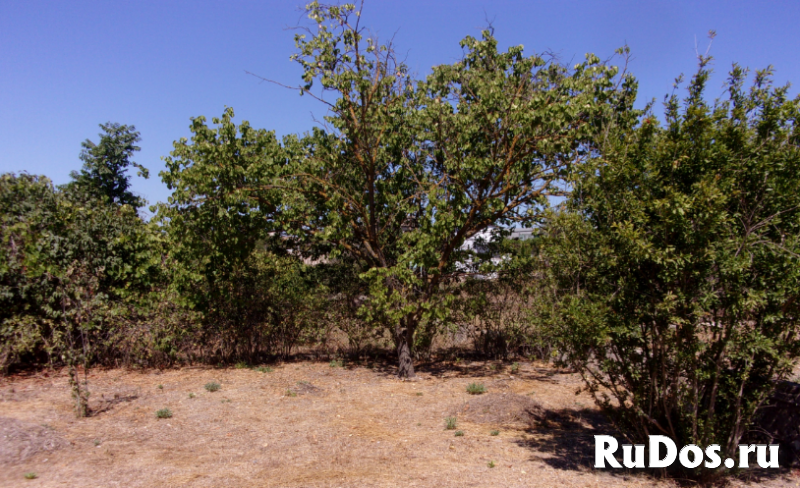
x=21, y=440
x=343, y=427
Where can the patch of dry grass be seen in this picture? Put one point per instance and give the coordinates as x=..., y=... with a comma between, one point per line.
x=350, y=426
x=20, y=440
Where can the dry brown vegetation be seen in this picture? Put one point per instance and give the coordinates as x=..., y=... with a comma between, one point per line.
x=310, y=424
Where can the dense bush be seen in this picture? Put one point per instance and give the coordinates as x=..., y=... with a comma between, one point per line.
x=229, y=260
x=681, y=267
x=61, y=248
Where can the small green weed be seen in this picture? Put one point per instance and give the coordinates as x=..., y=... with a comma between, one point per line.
x=459, y=433
x=494, y=432
x=213, y=386
x=476, y=388
x=97, y=442
x=241, y=365
x=491, y=464
x=225, y=400
x=337, y=363
x=419, y=393
x=291, y=393
x=264, y=369
x=450, y=423
x=164, y=413
x=515, y=368
x=31, y=476
x=191, y=395
x=160, y=387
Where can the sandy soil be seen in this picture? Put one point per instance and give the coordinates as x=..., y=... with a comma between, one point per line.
x=311, y=425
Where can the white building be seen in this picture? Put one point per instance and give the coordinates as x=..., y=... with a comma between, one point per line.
x=479, y=244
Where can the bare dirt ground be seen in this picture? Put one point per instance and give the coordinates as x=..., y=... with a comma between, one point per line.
x=312, y=425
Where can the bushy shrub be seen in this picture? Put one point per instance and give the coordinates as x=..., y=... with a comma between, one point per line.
x=59, y=250
x=680, y=268
x=255, y=298
x=164, y=413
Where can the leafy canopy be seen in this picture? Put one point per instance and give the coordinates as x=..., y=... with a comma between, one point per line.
x=64, y=261
x=105, y=165
x=681, y=269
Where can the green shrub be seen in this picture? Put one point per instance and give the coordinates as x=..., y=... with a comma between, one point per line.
x=680, y=265
x=450, y=423
x=31, y=476
x=253, y=297
x=59, y=242
x=459, y=433
x=213, y=386
x=476, y=389
x=491, y=464
x=164, y=413
x=494, y=432
x=264, y=369
x=241, y=365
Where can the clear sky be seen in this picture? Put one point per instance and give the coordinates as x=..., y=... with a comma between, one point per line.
x=68, y=65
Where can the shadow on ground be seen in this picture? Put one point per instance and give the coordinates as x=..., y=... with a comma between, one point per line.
x=564, y=439
x=106, y=404
x=443, y=368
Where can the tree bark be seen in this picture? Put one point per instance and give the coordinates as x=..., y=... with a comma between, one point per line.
x=405, y=336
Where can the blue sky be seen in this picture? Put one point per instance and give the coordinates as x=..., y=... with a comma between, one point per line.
x=66, y=66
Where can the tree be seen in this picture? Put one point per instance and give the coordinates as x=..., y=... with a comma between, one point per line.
x=105, y=165
x=229, y=263
x=405, y=171
x=213, y=224
x=681, y=265
x=60, y=256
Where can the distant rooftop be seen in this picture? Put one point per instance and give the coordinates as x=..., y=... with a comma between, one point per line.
x=521, y=234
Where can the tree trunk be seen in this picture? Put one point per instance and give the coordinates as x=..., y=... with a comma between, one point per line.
x=80, y=393
x=405, y=340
